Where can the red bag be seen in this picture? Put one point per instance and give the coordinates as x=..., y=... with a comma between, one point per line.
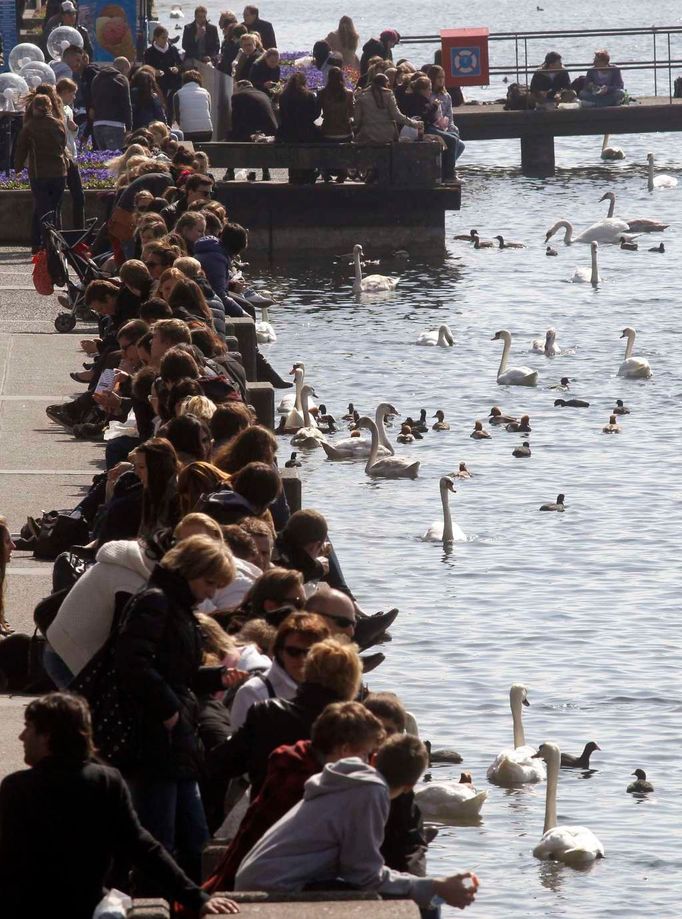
x=41, y=276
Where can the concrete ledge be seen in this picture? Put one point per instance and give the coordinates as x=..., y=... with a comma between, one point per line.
x=16, y=210
x=322, y=904
x=149, y=909
x=262, y=397
x=244, y=330
x=292, y=488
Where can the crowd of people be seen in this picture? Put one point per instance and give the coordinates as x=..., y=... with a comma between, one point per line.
x=551, y=84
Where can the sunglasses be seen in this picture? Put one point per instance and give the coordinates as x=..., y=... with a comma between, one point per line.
x=152, y=264
x=342, y=621
x=293, y=651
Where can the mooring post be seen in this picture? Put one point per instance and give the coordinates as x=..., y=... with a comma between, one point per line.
x=537, y=155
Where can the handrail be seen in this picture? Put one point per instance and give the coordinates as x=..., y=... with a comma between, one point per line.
x=560, y=33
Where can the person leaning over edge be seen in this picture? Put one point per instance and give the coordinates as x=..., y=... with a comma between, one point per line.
x=66, y=819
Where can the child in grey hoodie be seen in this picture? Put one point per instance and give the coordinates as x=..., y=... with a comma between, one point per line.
x=336, y=831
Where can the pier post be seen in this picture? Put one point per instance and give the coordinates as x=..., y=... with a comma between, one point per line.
x=244, y=330
x=537, y=155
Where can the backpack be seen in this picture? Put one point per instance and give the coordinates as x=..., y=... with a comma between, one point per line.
x=519, y=98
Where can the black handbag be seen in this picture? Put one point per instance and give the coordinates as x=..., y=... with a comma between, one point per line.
x=70, y=566
x=58, y=532
x=46, y=610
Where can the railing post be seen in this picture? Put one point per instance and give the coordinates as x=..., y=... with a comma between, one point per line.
x=655, y=68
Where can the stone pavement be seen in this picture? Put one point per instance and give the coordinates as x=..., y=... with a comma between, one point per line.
x=41, y=466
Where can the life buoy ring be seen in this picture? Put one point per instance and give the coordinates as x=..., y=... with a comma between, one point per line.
x=465, y=62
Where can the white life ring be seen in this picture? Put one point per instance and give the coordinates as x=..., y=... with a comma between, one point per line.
x=465, y=62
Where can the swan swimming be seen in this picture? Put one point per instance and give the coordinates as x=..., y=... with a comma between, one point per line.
x=546, y=346
x=607, y=231
x=442, y=337
x=445, y=530
x=309, y=436
x=611, y=153
x=293, y=415
x=360, y=448
x=449, y=800
x=514, y=376
x=373, y=282
x=390, y=467
x=636, y=224
x=589, y=275
x=516, y=766
x=265, y=332
x=633, y=368
x=572, y=845
x=659, y=181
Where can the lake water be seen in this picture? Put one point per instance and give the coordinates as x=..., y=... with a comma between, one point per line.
x=582, y=607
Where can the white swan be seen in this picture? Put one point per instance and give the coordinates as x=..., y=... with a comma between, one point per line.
x=546, y=345
x=265, y=333
x=516, y=766
x=608, y=231
x=633, y=368
x=360, y=447
x=449, y=800
x=373, y=282
x=294, y=417
x=292, y=400
x=611, y=153
x=442, y=337
x=659, y=181
x=445, y=530
x=514, y=376
x=309, y=436
x=636, y=224
x=583, y=275
x=573, y=845
x=390, y=467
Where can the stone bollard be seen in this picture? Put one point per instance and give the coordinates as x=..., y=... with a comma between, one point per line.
x=149, y=909
x=244, y=328
x=262, y=397
x=292, y=488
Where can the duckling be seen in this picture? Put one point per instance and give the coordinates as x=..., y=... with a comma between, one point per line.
x=350, y=415
x=416, y=434
x=483, y=243
x=466, y=778
x=522, y=426
x=421, y=424
x=293, y=463
x=659, y=248
x=572, y=403
x=478, y=433
x=467, y=237
x=568, y=761
x=611, y=427
x=522, y=451
x=441, y=424
x=462, y=472
x=558, y=505
x=564, y=383
x=640, y=786
x=406, y=436
x=620, y=408
x=628, y=244
x=550, y=251
x=496, y=416
x=508, y=244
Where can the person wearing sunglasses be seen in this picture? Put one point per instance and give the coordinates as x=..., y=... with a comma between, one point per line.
x=294, y=638
x=337, y=609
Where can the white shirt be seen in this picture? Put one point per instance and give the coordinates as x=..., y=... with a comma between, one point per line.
x=70, y=135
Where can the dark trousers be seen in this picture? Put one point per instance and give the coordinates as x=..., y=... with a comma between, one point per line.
x=453, y=149
x=199, y=136
x=75, y=186
x=47, y=196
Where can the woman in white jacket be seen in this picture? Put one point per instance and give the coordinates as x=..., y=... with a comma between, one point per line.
x=86, y=615
x=192, y=107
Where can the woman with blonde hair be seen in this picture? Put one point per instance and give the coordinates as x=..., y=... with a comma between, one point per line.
x=345, y=41
x=6, y=548
x=197, y=479
x=377, y=115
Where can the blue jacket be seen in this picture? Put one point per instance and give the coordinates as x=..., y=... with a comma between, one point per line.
x=216, y=264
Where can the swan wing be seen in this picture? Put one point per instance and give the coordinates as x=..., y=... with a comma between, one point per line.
x=293, y=421
x=516, y=767
x=434, y=532
x=427, y=338
x=286, y=404
x=608, y=230
x=518, y=376
x=307, y=437
x=646, y=225
x=378, y=282
x=581, y=276
x=635, y=368
x=664, y=181
x=573, y=845
x=449, y=800
x=351, y=448
x=394, y=467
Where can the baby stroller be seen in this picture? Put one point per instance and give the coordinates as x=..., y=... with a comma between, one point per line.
x=71, y=264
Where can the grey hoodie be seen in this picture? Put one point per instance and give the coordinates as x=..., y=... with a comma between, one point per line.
x=334, y=832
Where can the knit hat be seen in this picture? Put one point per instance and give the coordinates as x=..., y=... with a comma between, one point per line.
x=390, y=35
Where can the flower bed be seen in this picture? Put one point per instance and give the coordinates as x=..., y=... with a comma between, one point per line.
x=314, y=77
x=92, y=164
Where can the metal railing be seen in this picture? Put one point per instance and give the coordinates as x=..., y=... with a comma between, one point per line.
x=523, y=70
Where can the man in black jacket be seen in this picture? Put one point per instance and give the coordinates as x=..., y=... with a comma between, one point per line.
x=67, y=819
x=256, y=24
x=379, y=47
x=252, y=113
x=111, y=111
x=200, y=40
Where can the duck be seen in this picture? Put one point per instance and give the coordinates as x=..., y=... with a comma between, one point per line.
x=309, y=437
x=445, y=530
x=628, y=245
x=483, y=243
x=607, y=231
x=521, y=426
x=496, y=416
x=659, y=181
x=441, y=337
x=389, y=467
x=416, y=435
x=441, y=424
x=509, y=244
x=551, y=251
x=557, y=506
x=517, y=765
x=450, y=800
x=659, y=248
x=635, y=224
x=421, y=425
x=612, y=427
x=325, y=422
x=641, y=786
x=292, y=462
x=573, y=845
x=357, y=447
x=633, y=368
x=441, y=755
x=373, y=283
x=523, y=451
x=512, y=376
x=265, y=332
x=349, y=416
x=546, y=346
x=467, y=237
x=564, y=383
x=406, y=436
x=584, y=275
x=478, y=433
x=571, y=403
x=462, y=472
x=568, y=761
x=611, y=153
x=620, y=409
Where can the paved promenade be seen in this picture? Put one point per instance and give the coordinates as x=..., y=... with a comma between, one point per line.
x=41, y=467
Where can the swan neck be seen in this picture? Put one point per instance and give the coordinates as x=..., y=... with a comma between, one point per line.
x=568, y=234
x=381, y=430
x=550, y=799
x=630, y=346
x=306, y=413
x=447, y=515
x=358, y=268
x=595, y=268
x=505, y=356
x=299, y=388
x=373, y=450
x=517, y=718
x=612, y=203
x=651, y=175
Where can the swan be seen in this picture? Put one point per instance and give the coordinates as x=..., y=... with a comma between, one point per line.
x=309, y=436
x=514, y=376
x=293, y=415
x=589, y=275
x=546, y=346
x=611, y=153
x=660, y=181
x=445, y=530
x=633, y=368
x=573, y=845
x=449, y=800
x=441, y=424
x=358, y=447
x=265, y=333
x=390, y=467
x=636, y=224
x=608, y=230
x=558, y=506
x=516, y=766
x=442, y=337
x=373, y=282
x=640, y=786
x=612, y=427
